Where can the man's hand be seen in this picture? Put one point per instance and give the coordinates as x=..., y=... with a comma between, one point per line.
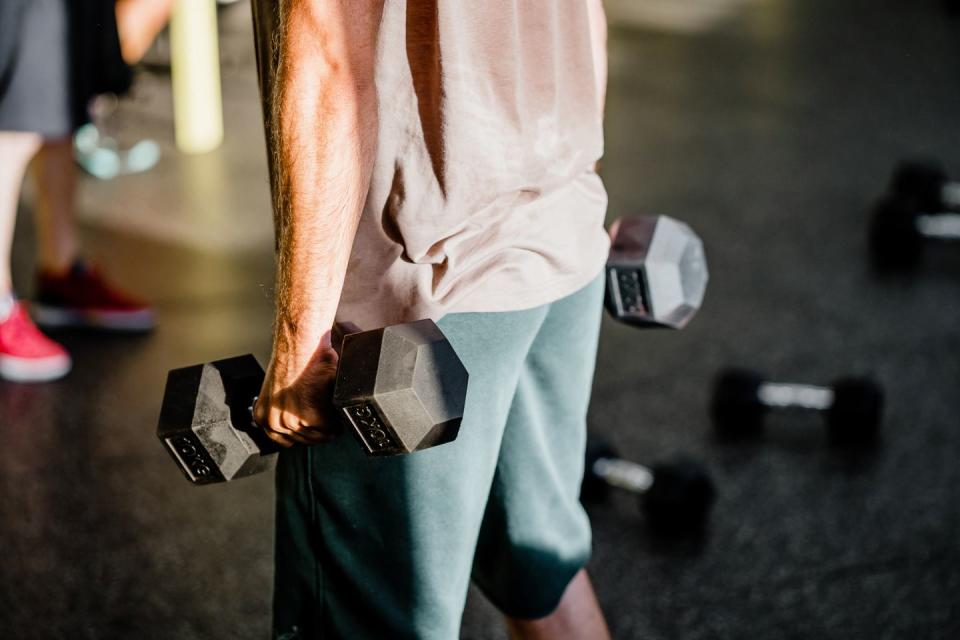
x=317, y=62
x=295, y=403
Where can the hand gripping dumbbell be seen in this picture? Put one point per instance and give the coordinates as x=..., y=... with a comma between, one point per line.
x=900, y=227
x=926, y=183
x=675, y=496
x=400, y=389
x=741, y=400
x=656, y=272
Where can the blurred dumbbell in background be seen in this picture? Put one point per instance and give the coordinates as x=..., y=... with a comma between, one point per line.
x=675, y=495
x=742, y=399
x=656, y=272
x=927, y=183
x=656, y=278
x=922, y=205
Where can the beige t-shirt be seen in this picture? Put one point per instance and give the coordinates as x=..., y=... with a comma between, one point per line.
x=484, y=195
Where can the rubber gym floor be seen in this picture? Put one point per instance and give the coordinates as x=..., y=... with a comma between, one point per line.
x=770, y=126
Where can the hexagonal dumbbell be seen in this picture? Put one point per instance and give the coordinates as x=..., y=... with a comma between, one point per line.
x=656, y=272
x=900, y=228
x=675, y=495
x=399, y=389
x=853, y=406
x=926, y=182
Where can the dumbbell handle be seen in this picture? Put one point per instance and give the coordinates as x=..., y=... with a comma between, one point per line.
x=802, y=396
x=250, y=409
x=623, y=474
x=939, y=226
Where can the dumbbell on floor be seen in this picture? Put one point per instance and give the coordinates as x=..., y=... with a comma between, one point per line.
x=656, y=272
x=741, y=400
x=900, y=227
x=925, y=182
x=399, y=389
x=676, y=496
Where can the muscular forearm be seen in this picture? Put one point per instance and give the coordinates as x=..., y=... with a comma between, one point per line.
x=323, y=140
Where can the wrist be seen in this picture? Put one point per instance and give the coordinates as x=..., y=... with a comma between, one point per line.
x=295, y=344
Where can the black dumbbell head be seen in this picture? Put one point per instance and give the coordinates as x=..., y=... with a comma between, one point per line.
x=854, y=419
x=922, y=180
x=402, y=388
x=894, y=239
x=735, y=408
x=594, y=489
x=680, y=497
x=206, y=424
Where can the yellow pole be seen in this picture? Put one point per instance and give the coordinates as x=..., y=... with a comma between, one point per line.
x=195, y=67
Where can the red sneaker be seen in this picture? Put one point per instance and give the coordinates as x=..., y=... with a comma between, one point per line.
x=81, y=297
x=26, y=355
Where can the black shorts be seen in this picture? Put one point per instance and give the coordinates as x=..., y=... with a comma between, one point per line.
x=55, y=56
x=35, y=95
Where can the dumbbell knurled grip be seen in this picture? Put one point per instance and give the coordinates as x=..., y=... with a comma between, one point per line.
x=250, y=409
x=939, y=226
x=802, y=396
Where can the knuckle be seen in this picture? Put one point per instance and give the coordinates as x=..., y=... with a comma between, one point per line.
x=311, y=419
x=291, y=424
x=277, y=427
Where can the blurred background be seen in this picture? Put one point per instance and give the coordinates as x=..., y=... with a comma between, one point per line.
x=770, y=126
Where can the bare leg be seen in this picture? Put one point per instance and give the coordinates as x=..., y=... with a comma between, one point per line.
x=56, y=177
x=577, y=617
x=16, y=149
x=68, y=297
x=139, y=22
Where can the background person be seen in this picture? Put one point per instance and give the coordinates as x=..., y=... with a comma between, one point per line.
x=56, y=56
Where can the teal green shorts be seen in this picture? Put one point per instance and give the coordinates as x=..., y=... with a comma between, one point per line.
x=386, y=547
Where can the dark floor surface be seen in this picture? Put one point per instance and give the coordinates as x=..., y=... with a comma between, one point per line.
x=770, y=133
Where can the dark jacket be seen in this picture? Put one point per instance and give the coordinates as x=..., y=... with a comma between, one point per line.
x=96, y=64
x=11, y=12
